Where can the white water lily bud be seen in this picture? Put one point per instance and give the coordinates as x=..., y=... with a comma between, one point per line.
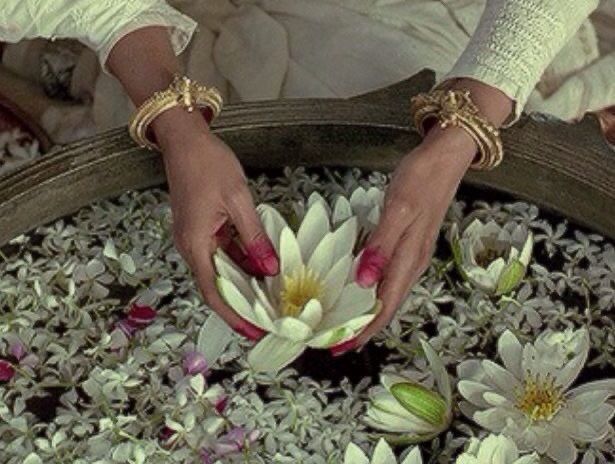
x=402, y=406
x=422, y=402
x=491, y=257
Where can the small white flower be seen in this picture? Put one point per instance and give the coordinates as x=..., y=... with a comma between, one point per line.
x=313, y=301
x=494, y=449
x=383, y=454
x=529, y=401
x=404, y=406
x=491, y=257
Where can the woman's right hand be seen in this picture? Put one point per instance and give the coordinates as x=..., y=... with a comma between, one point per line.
x=209, y=200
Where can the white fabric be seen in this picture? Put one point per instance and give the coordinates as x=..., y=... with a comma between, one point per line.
x=516, y=40
x=98, y=24
x=268, y=49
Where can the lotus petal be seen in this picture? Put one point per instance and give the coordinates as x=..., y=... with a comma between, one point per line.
x=311, y=313
x=314, y=227
x=273, y=353
x=290, y=253
x=292, y=329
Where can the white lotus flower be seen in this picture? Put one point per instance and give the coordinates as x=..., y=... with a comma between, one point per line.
x=382, y=455
x=494, y=449
x=365, y=204
x=313, y=301
x=491, y=257
x=404, y=406
x=529, y=399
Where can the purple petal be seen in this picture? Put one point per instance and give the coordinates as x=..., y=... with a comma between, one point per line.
x=207, y=457
x=17, y=350
x=195, y=363
x=127, y=326
x=221, y=404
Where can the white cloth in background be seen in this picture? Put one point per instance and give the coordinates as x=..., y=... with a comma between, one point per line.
x=268, y=49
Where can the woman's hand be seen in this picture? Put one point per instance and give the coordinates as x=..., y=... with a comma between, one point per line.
x=400, y=248
x=423, y=185
x=209, y=193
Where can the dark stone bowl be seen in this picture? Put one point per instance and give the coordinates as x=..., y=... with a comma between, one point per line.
x=565, y=168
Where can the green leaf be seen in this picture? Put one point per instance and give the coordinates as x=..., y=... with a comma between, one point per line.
x=511, y=276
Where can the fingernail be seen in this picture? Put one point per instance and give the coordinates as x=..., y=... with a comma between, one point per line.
x=366, y=277
x=263, y=254
x=250, y=331
x=270, y=265
x=344, y=347
x=370, y=267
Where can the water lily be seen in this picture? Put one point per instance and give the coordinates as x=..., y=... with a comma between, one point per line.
x=494, y=449
x=313, y=301
x=364, y=204
x=491, y=257
x=382, y=455
x=528, y=399
x=404, y=406
x=7, y=371
x=195, y=363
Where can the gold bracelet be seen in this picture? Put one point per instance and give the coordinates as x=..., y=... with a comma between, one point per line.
x=181, y=92
x=455, y=108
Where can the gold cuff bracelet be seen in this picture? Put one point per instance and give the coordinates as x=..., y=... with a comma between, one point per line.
x=181, y=92
x=456, y=108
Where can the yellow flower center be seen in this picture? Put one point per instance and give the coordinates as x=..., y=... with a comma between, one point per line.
x=299, y=288
x=540, y=399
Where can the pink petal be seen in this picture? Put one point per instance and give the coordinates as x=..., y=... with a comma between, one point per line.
x=7, y=372
x=140, y=315
x=195, y=363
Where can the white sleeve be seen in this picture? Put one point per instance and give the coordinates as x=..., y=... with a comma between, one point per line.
x=516, y=40
x=98, y=24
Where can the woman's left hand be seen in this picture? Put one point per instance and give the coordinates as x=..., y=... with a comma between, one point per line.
x=423, y=185
x=416, y=201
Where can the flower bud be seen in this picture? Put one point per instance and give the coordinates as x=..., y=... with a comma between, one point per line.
x=195, y=363
x=17, y=350
x=422, y=402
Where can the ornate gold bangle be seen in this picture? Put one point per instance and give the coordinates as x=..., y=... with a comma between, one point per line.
x=456, y=108
x=181, y=92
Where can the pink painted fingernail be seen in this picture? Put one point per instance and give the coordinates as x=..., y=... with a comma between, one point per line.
x=370, y=267
x=263, y=254
x=270, y=265
x=344, y=347
x=250, y=331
